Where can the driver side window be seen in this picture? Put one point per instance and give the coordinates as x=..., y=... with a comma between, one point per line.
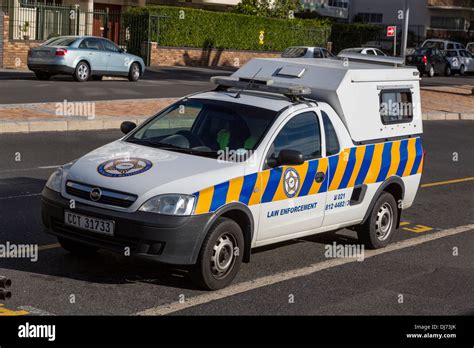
x=301, y=133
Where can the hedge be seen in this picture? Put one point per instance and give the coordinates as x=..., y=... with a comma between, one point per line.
x=226, y=30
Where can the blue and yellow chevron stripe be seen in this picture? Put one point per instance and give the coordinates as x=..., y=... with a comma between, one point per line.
x=366, y=164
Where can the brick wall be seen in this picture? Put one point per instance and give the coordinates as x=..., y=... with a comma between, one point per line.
x=15, y=52
x=169, y=56
x=1, y=39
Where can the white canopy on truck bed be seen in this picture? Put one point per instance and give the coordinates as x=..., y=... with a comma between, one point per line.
x=351, y=88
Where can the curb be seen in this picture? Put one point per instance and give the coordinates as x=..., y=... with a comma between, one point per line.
x=66, y=125
x=447, y=116
x=35, y=126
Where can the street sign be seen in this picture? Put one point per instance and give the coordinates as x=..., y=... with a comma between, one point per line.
x=391, y=31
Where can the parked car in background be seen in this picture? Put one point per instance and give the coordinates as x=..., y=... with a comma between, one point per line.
x=470, y=47
x=306, y=52
x=429, y=61
x=83, y=57
x=371, y=51
x=460, y=61
x=442, y=44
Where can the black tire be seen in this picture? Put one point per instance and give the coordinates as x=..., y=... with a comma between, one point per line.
x=225, y=235
x=42, y=76
x=462, y=70
x=134, y=72
x=431, y=71
x=97, y=78
x=375, y=233
x=448, y=71
x=82, y=72
x=77, y=248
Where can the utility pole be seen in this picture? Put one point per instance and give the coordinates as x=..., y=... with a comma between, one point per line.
x=406, y=17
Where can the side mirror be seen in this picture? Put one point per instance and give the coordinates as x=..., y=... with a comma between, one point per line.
x=127, y=126
x=286, y=158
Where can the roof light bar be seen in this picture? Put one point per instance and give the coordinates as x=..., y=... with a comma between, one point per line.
x=264, y=85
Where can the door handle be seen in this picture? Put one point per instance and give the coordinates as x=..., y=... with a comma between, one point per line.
x=319, y=177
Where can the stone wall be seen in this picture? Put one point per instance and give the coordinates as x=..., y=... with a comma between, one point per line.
x=170, y=56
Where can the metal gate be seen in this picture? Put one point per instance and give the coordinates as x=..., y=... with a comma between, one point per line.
x=139, y=31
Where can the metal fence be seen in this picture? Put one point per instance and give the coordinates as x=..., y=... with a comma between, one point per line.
x=40, y=22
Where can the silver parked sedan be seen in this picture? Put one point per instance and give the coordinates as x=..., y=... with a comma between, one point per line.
x=83, y=57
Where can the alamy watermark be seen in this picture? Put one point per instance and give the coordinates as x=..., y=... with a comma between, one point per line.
x=81, y=109
x=19, y=251
x=335, y=250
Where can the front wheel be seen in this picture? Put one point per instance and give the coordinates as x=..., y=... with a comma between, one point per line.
x=220, y=256
x=462, y=70
x=134, y=72
x=378, y=230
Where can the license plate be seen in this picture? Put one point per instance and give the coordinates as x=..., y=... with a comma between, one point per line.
x=89, y=223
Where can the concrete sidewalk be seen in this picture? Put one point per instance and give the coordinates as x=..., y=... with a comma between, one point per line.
x=437, y=104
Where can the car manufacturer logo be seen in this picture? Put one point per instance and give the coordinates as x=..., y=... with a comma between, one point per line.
x=95, y=194
x=122, y=167
x=291, y=182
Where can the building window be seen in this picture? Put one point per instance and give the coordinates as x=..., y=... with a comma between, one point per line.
x=338, y=3
x=452, y=23
x=370, y=17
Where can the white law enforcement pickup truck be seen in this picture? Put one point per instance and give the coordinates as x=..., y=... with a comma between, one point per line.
x=282, y=149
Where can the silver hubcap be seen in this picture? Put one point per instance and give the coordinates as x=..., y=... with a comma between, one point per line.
x=222, y=258
x=384, y=222
x=135, y=72
x=83, y=71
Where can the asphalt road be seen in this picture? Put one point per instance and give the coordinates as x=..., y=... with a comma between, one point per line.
x=22, y=87
x=430, y=278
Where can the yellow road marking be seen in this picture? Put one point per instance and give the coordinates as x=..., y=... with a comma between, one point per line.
x=9, y=312
x=49, y=246
x=418, y=229
x=448, y=182
x=404, y=223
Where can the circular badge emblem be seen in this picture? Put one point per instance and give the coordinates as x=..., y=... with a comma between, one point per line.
x=121, y=167
x=291, y=182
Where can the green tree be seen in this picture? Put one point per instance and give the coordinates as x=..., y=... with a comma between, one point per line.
x=285, y=8
x=253, y=7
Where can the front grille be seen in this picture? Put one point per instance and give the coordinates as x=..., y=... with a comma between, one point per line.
x=109, y=197
x=117, y=243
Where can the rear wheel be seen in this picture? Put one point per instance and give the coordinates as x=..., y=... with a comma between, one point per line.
x=220, y=256
x=431, y=71
x=77, y=248
x=42, y=75
x=378, y=230
x=134, y=72
x=448, y=71
x=82, y=72
x=462, y=70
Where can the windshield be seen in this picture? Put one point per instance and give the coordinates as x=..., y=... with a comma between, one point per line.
x=433, y=44
x=206, y=128
x=294, y=52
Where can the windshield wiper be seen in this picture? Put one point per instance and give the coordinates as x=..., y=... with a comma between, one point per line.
x=171, y=147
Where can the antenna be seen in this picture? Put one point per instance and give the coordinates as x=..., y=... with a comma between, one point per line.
x=237, y=96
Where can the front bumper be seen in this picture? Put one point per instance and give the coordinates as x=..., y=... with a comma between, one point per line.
x=163, y=238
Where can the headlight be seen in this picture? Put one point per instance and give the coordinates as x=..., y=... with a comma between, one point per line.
x=54, y=181
x=174, y=204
